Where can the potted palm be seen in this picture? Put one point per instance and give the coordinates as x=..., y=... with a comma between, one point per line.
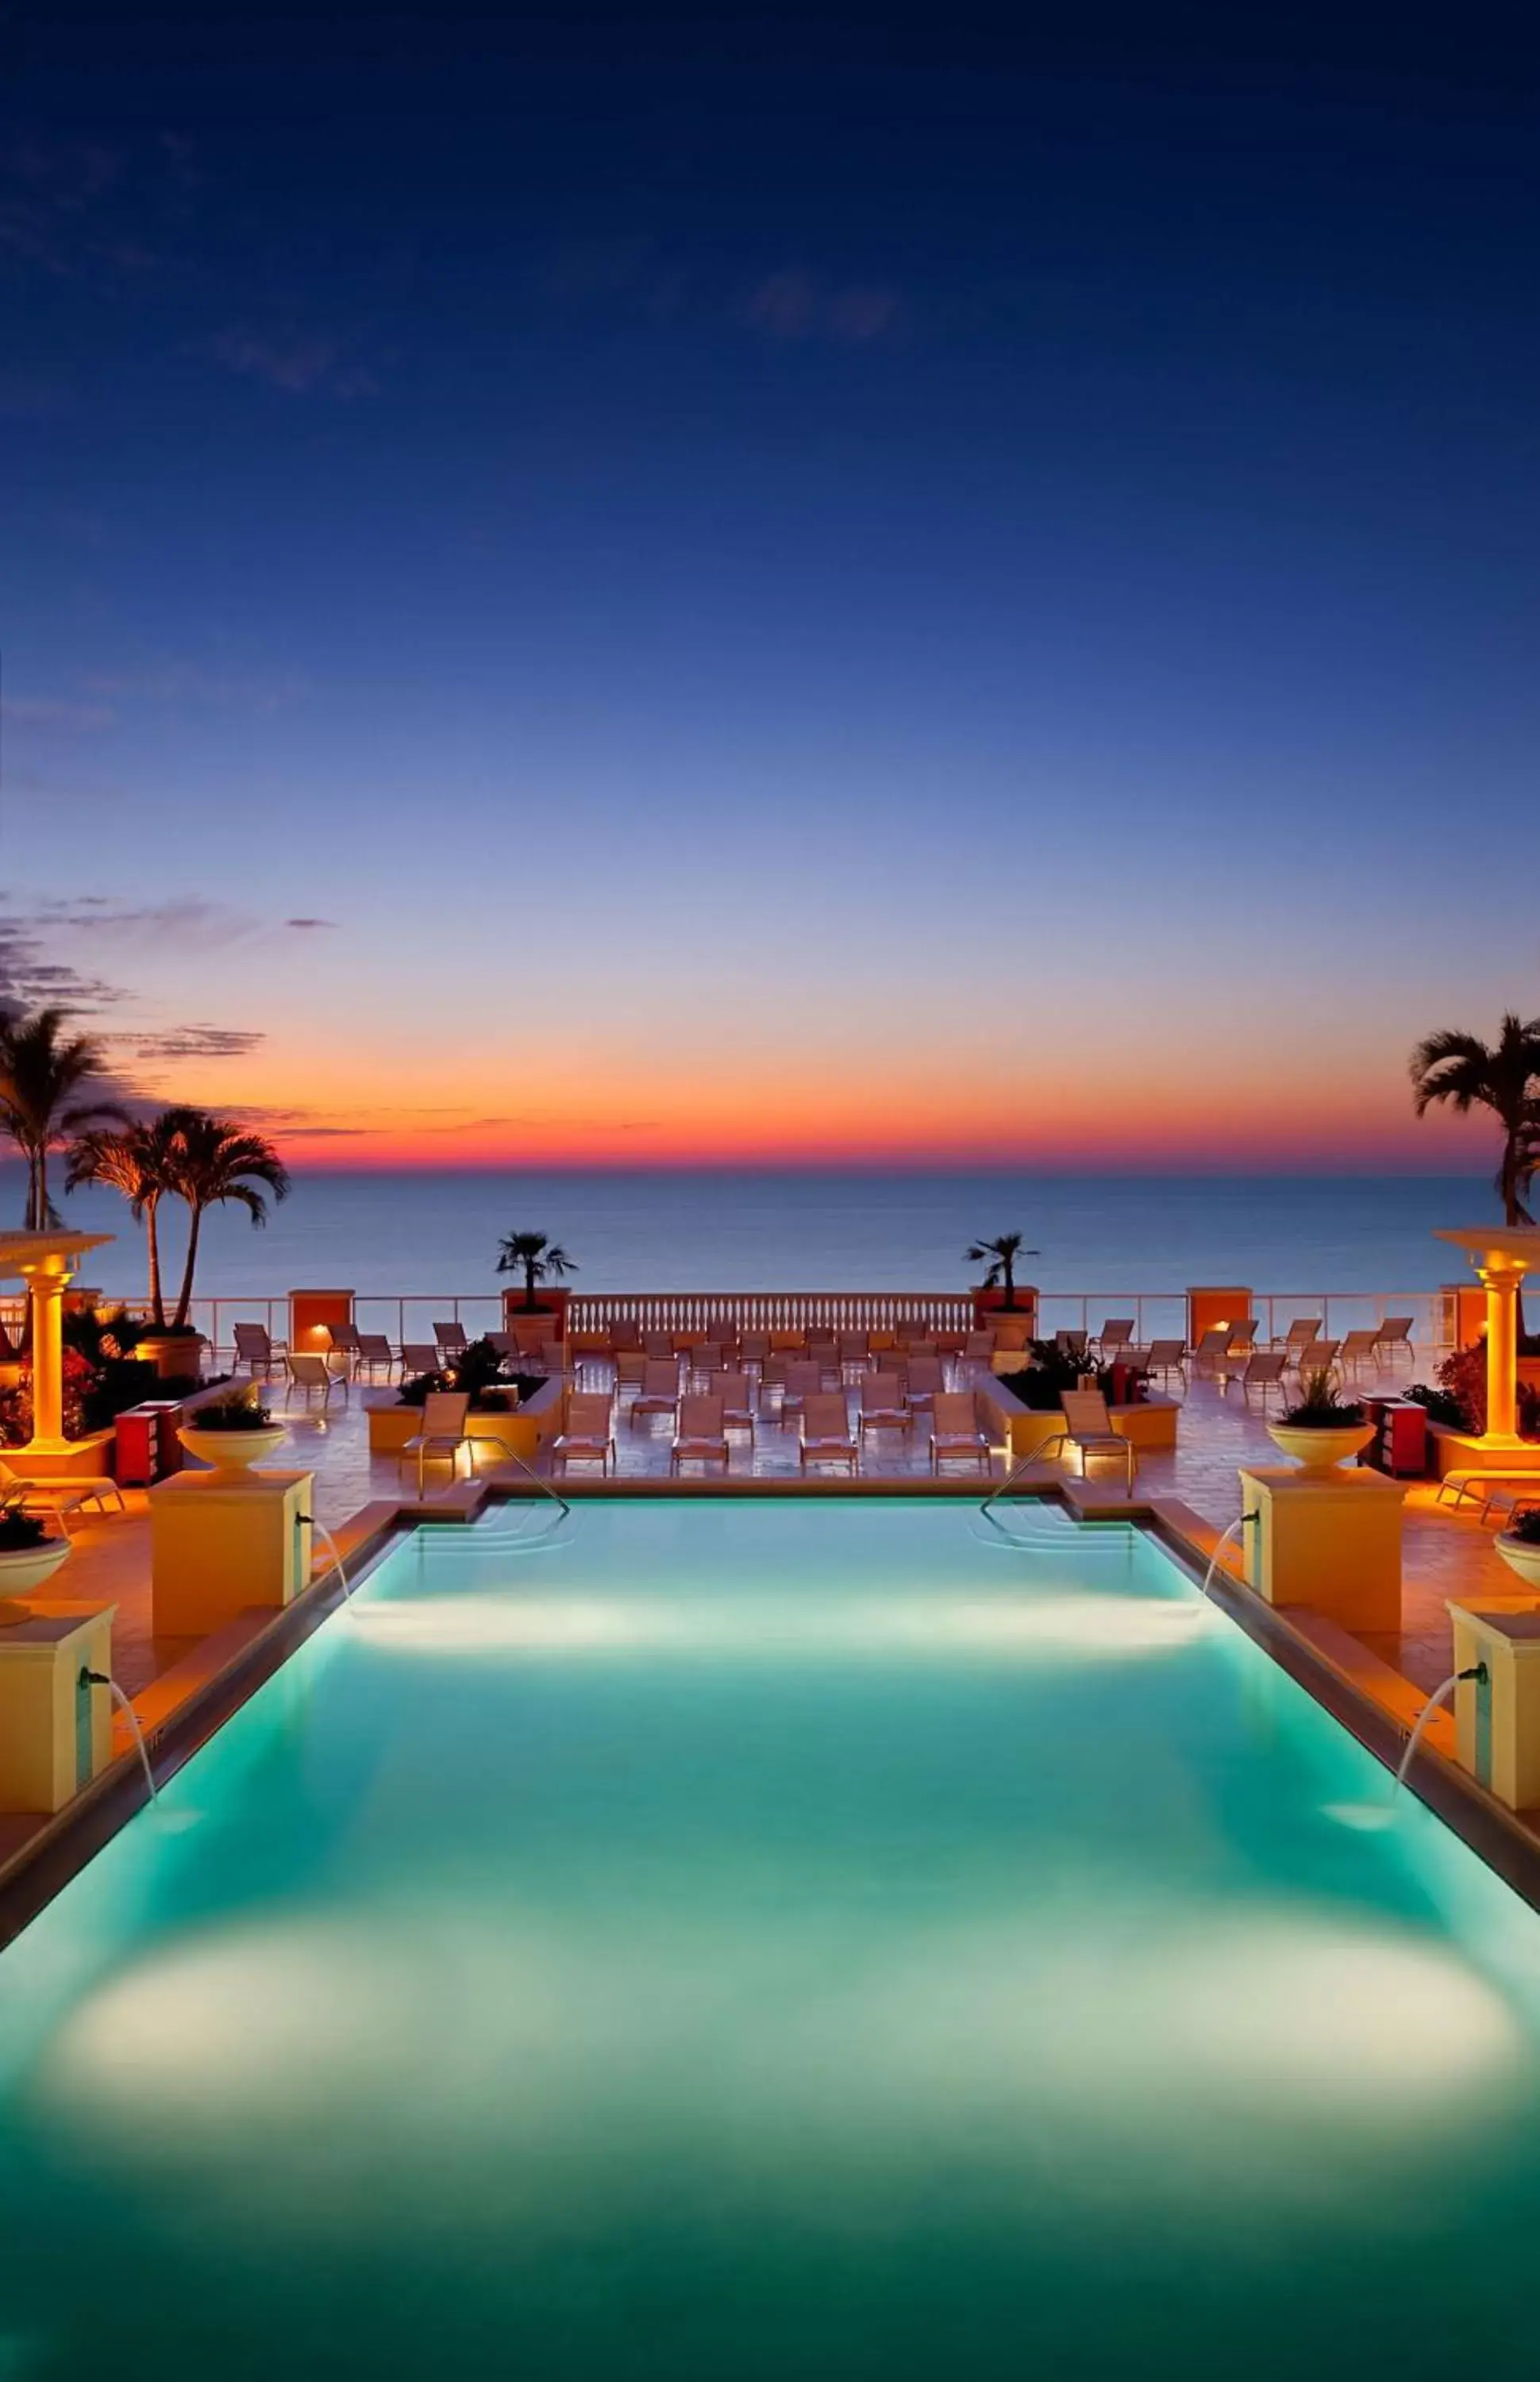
x=999, y=1256
x=1321, y=1429
x=1519, y=1548
x=29, y=1554
x=233, y=1433
x=539, y=1259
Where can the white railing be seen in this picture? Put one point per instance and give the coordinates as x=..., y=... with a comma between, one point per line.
x=1159, y=1314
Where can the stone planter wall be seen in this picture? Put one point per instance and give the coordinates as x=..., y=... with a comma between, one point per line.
x=522, y=1432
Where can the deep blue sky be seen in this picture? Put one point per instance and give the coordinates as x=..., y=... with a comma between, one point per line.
x=877, y=519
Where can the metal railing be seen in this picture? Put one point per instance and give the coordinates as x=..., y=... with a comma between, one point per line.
x=411, y=1314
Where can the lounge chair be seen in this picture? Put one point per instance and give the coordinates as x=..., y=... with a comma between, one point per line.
x=1072, y=1344
x=661, y=1347
x=625, y=1334
x=1482, y=1488
x=1359, y=1348
x=1263, y=1370
x=506, y=1343
x=659, y=1393
x=343, y=1341
x=1209, y=1352
x=59, y=1497
x=374, y=1351
x=1319, y=1357
x=588, y=1436
x=1395, y=1333
x=630, y=1369
x=311, y=1374
x=754, y=1347
x=1088, y=1429
x=530, y=1332
x=702, y=1437
x=738, y=1412
x=825, y=1433
x=418, y=1356
x=883, y=1405
x=978, y=1347
x=1299, y=1334
x=803, y=1379
x=924, y=1385
x=449, y=1338
x=442, y=1435
x=255, y=1350
x=855, y=1352
x=1164, y=1357
x=955, y=1434
x=1115, y=1336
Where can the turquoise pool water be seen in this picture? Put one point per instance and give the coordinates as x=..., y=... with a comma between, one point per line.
x=773, y=1938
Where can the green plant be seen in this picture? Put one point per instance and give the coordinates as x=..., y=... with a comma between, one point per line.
x=20, y=1533
x=1319, y=1408
x=45, y=1096
x=1040, y=1385
x=491, y=1392
x=1439, y=1405
x=237, y=1410
x=1527, y=1529
x=999, y=1255
x=537, y=1257
x=1462, y=1070
x=216, y=1164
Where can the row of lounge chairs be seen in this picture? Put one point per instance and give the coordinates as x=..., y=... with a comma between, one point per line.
x=704, y=1418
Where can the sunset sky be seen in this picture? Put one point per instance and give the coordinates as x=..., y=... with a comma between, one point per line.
x=881, y=588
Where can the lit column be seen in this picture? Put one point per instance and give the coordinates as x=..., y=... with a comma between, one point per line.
x=45, y=1289
x=1501, y=1278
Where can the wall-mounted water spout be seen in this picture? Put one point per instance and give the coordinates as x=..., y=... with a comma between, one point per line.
x=101, y=1679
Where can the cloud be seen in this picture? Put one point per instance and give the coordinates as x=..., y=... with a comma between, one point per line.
x=309, y=925
x=51, y=711
x=29, y=980
x=794, y=308
x=193, y=1043
x=189, y=922
x=301, y=363
x=181, y=682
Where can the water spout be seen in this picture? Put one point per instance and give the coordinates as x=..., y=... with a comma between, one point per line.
x=100, y=1679
x=315, y=1524
x=1440, y=1694
x=1220, y=1543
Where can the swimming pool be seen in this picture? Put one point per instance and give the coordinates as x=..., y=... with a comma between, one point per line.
x=751, y=1938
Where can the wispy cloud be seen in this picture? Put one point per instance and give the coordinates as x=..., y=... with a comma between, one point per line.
x=188, y=922
x=299, y=362
x=309, y=925
x=793, y=308
x=193, y=1043
x=55, y=711
x=193, y=684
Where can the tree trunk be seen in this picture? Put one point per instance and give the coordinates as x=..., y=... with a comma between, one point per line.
x=157, y=1299
x=184, y=1303
x=1009, y=1299
x=528, y=1286
x=36, y=1192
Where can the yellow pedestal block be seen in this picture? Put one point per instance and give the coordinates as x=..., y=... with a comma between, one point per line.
x=1496, y=1719
x=1331, y=1540
x=221, y=1543
x=54, y=1734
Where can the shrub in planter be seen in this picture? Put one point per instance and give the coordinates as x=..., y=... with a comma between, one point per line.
x=1439, y=1405
x=1320, y=1408
x=1041, y=1384
x=494, y=1395
x=1525, y=1531
x=20, y=1534
x=238, y=1410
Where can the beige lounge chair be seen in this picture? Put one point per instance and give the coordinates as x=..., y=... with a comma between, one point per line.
x=418, y=1356
x=978, y=1347
x=1395, y=1333
x=702, y=1437
x=1115, y=1336
x=825, y=1433
x=311, y=1374
x=1209, y=1352
x=630, y=1369
x=955, y=1434
x=1359, y=1348
x=659, y=1393
x=255, y=1350
x=1263, y=1370
x=1319, y=1357
x=883, y=1405
x=1481, y=1488
x=924, y=1383
x=738, y=1408
x=1072, y=1344
x=754, y=1347
x=1164, y=1357
x=855, y=1352
x=588, y=1436
x=443, y=1434
x=449, y=1338
x=661, y=1346
x=1299, y=1334
x=1088, y=1429
x=804, y=1379
x=374, y=1351
x=59, y=1497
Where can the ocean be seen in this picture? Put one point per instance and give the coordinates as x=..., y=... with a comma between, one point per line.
x=437, y=1232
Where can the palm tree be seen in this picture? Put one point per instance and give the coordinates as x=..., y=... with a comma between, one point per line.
x=214, y=1162
x=536, y=1257
x=44, y=1096
x=1461, y=1070
x=138, y=1160
x=1000, y=1256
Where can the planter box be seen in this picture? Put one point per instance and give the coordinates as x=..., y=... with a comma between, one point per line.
x=91, y=1458
x=1151, y=1425
x=392, y=1424
x=1461, y=1451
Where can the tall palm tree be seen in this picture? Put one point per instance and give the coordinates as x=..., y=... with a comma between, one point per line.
x=1000, y=1256
x=1461, y=1069
x=537, y=1257
x=140, y=1161
x=215, y=1162
x=45, y=1096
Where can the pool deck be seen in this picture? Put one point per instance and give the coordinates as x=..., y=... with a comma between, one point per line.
x=1445, y=1553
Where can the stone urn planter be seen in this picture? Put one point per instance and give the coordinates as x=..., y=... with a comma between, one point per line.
x=1318, y=1447
x=233, y=1450
x=1522, y=1555
x=25, y=1568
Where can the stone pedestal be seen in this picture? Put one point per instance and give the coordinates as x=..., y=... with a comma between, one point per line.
x=221, y=1543
x=54, y=1733
x=1496, y=1719
x=1329, y=1539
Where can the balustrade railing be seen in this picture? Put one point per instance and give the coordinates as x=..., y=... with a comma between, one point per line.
x=410, y=1316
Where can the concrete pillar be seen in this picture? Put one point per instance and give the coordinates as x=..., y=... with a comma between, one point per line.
x=1501, y=1280
x=45, y=1289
